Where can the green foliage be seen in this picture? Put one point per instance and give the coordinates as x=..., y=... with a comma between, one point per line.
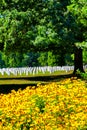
x=85, y=56
x=69, y=59
x=13, y=59
x=42, y=59
x=33, y=25
x=37, y=59
x=2, y=62
x=40, y=103
x=30, y=59
x=42, y=26
x=26, y=125
x=1, y=112
x=79, y=10
x=83, y=76
x=20, y=60
x=49, y=59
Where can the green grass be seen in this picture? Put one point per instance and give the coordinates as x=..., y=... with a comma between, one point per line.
x=34, y=75
x=32, y=79
x=14, y=81
x=7, y=83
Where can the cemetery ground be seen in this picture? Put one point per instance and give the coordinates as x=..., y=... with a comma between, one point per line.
x=55, y=101
x=9, y=82
x=33, y=78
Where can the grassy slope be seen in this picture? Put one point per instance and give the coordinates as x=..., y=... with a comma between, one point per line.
x=33, y=79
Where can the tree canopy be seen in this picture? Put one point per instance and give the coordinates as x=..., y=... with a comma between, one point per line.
x=33, y=24
x=42, y=25
x=78, y=9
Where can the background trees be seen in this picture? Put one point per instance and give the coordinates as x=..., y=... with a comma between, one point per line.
x=34, y=59
x=44, y=25
x=78, y=10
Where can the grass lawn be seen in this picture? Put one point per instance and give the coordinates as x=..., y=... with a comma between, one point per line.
x=7, y=83
x=33, y=79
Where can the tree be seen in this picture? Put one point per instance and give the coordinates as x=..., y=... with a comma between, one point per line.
x=47, y=59
x=43, y=25
x=85, y=56
x=33, y=24
x=30, y=59
x=2, y=62
x=12, y=59
x=78, y=9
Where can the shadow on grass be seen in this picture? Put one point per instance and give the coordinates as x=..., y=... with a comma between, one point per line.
x=41, y=77
x=6, y=88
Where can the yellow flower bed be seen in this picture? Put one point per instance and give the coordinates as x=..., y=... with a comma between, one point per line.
x=55, y=106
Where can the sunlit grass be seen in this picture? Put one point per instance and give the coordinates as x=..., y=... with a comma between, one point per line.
x=20, y=81
x=30, y=79
x=55, y=106
x=34, y=75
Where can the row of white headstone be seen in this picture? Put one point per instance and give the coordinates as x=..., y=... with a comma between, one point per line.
x=35, y=70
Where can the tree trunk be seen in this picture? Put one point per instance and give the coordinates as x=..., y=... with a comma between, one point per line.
x=78, y=60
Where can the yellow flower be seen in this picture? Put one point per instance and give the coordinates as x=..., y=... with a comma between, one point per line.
x=65, y=106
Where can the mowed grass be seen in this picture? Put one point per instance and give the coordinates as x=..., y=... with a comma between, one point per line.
x=58, y=105
x=33, y=79
x=17, y=82
x=33, y=75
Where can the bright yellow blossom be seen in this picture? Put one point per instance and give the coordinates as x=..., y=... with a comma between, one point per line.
x=55, y=106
